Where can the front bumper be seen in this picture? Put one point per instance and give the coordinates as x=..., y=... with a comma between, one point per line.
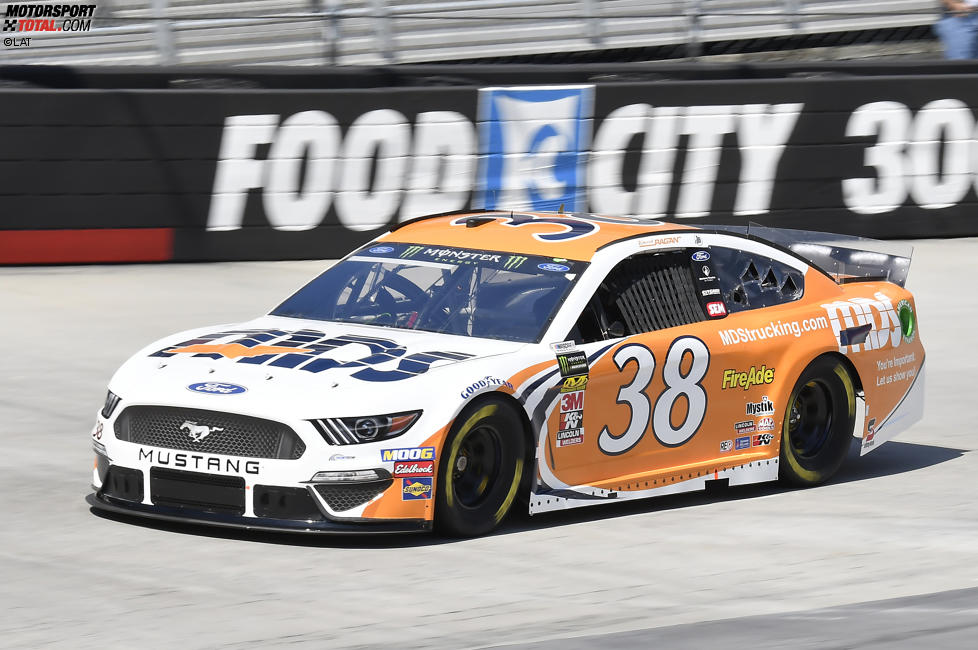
x=100, y=501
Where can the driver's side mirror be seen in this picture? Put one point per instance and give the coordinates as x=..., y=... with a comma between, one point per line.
x=616, y=330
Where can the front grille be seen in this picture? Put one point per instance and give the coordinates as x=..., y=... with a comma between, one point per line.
x=226, y=433
x=347, y=497
x=196, y=491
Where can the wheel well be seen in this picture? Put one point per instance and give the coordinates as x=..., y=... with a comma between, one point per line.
x=856, y=380
x=529, y=443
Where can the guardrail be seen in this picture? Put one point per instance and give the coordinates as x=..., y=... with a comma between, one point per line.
x=370, y=32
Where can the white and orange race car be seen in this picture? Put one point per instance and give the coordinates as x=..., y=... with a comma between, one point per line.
x=462, y=363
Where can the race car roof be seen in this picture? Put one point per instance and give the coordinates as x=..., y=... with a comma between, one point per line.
x=571, y=236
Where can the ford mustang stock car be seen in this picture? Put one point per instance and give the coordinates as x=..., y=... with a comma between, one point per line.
x=464, y=362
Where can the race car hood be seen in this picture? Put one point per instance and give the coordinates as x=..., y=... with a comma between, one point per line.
x=305, y=367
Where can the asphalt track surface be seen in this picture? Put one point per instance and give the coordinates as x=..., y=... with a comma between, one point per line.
x=886, y=556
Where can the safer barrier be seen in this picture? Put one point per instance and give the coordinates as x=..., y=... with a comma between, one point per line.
x=230, y=173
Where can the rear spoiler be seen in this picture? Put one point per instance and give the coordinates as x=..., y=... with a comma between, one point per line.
x=843, y=257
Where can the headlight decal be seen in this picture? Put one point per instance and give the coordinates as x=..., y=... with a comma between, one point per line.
x=367, y=428
x=111, y=401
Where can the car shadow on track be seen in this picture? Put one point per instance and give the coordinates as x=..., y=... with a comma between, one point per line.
x=893, y=458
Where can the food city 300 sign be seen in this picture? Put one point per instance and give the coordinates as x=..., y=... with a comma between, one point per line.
x=542, y=148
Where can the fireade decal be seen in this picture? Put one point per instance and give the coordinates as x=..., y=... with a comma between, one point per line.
x=747, y=379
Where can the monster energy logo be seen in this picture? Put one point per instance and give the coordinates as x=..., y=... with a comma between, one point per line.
x=411, y=251
x=573, y=363
x=514, y=262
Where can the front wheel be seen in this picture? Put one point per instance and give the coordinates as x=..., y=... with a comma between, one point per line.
x=818, y=423
x=481, y=469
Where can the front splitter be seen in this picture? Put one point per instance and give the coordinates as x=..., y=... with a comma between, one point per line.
x=186, y=516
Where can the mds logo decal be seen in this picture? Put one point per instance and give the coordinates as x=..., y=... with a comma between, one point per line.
x=534, y=143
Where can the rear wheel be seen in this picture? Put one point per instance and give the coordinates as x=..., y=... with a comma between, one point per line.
x=481, y=469
x=818, y=423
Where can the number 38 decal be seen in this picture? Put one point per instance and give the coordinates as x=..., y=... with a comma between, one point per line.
x=677, y=384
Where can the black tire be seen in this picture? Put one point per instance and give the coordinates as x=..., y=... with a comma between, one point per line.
x=818, y=423
x=481, y=471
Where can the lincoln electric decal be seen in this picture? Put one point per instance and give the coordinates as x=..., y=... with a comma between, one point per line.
x=310, y=350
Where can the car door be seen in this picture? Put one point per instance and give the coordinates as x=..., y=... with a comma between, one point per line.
x=643, y=415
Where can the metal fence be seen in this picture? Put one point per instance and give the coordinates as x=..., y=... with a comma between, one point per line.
x=368, y=32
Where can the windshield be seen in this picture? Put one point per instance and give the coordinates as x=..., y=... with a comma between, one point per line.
x=478, y=293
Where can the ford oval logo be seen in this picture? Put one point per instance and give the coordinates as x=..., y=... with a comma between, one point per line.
x=700, y=256
x=559, y=268
x=216, y=388
x=382, y=249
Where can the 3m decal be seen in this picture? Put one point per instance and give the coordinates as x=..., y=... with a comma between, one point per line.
x=572, y=401
x=414, y=469
x=748, y=378
x=764, y=407
x=413, y=489
x=407, y=453
x=678, y=386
